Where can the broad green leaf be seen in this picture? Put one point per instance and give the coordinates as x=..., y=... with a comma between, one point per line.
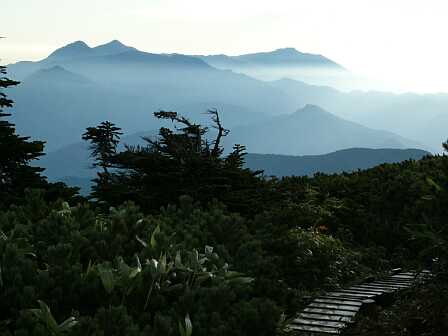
x=141, y=241
x=178, y=260
x=43, y=313
x=188, y=326
x=188, y=330
x=431, y=182
x=208, y=251
x=136, y=270
x=153, y=263
x=161, y=267
x=68, y=324
x=107, y=277
x=153, y=241
x=241, y=280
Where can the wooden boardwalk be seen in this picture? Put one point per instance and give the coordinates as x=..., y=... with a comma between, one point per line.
x=332, y=312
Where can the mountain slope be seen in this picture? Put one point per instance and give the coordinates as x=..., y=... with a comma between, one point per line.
x=126, y=87
x=346, y=160
x=285, y=62
x=56, y=75
x=311, y=130
x=415, y=116
x=280, y=57
x=80, y=49
x=73, y=165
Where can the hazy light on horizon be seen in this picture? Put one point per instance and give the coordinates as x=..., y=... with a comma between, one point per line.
x=399, y=43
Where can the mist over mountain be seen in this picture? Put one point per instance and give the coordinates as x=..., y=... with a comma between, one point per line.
x=80, y=49
x=415, y=116
x=283, y=57
x=56, y=75
x=78, y=86
x=72, y=164
x=345, y=160
x=311, y=130
x=285, y=62
x=126, y=87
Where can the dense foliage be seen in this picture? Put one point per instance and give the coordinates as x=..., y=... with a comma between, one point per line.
x=16, y=153
x=179, y=239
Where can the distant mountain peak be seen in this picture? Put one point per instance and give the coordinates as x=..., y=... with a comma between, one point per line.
x=311, y=108
x=78, y=44
x=287, y=51
x=80, y=49
x=71, y=50
x=56, y=74
x=314, y=111
x=115, y=43
x=54, y=69
x=111, y=48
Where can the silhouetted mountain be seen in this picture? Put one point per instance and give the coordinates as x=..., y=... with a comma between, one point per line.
x=288, y=56
x=56, y=75
x=311, y=130
x=281, y=57
x=285, y=62
x=346, y=160
x=73, y=165
x=415, y=116
x=57, y=105
x=111, y=48
x=127, y=85
x=79, y=50
x=73, y=50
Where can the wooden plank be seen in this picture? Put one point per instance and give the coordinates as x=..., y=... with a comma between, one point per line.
x=395, y=282
x=314, y=329
x=407, y=273
x=369, y=289
x=378, y=287
x=351, y=295
x=392, y=284
x=383, y=285
x=333, y=306
x=355, y=300
x=330, y=311
x=403, y=276
x=325, y=317
x=332, y=324
x=338, y=301
x=356, y=291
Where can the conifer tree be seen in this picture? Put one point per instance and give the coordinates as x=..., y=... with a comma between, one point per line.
x=16, y=152
x=180, y=161
x=104, y=140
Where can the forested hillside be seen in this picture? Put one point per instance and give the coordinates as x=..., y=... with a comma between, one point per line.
x=179, y=238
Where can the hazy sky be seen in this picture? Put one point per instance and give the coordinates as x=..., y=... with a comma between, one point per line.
x=400, y=42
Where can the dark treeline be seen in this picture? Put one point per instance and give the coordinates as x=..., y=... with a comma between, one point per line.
x=179, y=239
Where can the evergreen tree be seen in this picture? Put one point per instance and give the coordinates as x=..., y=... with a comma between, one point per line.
x=104, y=140
x=181, y=161
x=16, y=152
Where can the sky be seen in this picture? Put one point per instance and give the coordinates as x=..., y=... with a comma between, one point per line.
x=400, y=43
